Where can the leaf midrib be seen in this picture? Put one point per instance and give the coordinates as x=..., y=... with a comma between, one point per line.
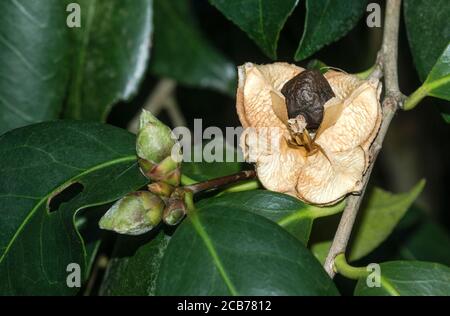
x=311, y=212
x=212, y=251
x=261, y=26
x=389, y=287
x=79, y=75
x=434, y=84
x=44, y=199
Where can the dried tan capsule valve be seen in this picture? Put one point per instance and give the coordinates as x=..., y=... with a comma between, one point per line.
x=320, y=167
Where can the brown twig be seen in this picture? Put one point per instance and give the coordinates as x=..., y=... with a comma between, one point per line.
x=220, y=182
x=387, y=65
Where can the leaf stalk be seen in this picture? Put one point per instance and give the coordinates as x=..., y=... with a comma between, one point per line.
x=342, y=267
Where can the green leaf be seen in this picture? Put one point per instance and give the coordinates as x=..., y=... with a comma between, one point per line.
x=409, y=278
x=438, y=81
x=38, y=163
x=320, y=250
x=202, y=171
x=428, y=28
x=134, y=265
x=111, y=49
x=45, y=63
x=379, y=217
x=290, y=213
x=34, y=61
x=219, y=251
x=427, y=242
x=86, y=223
x=226, y=162
x=323, y=68
x=318, y=65
x=181, y=52
x=262, y=20
x=327, y=21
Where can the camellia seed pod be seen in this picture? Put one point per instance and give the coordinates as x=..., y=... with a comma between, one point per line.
x=319, y=158
x=134, y=214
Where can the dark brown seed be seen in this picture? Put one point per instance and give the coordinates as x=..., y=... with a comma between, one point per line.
x=306, y=95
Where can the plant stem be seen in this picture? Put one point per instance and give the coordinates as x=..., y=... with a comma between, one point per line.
x=415, y=98
x=343, y=268
x=387, y=62
x=220, y=182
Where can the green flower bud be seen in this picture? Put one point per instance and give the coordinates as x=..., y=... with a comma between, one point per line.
x=134, y=214
x=161, y=188
x=167, y=171
x=159, y=154
x=174, y=212
x=154, y=141
x=179, y=204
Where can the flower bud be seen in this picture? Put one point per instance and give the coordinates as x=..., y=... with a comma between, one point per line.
x=167, y=171
x=174, y=212
x=154, y=147
x=178, y=205
x=134, y=214
x=161, y=188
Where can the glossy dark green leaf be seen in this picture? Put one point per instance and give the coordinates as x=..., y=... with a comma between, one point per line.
x=220, y=251
x=262, y=20
x=326, y=22
x=380, y=214
x=409, y=278
x=212, y=160
x=34, y=61
x=86, y=223
x=44, y=64
x=416, y=237
x=290, y=213
x=38, y=239
x=378, y=219
x=320, y=250
x=428, y=28
x=181, y=52
x=202, y=171
x=134, y=265
x=437, y=83
x=111, y=49
x=427, y=242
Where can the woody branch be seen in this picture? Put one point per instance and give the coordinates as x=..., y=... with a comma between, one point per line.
x=387, y=67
